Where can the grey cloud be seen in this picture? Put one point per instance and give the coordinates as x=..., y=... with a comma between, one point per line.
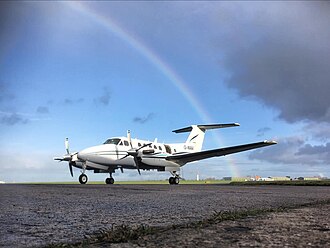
x=42, y=110
x=13, y=119
x=317, y=149
x=145, y=119
x=104, y=99
x=279, y=53
x=69, y=101
x=294, y=151
x=262, y=131
x=283, y=152
x=319, y=131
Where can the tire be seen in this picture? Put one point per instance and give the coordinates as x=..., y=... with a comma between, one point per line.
x=176, y=180
x=171, y=180
x=109, y=180
x=83, y=179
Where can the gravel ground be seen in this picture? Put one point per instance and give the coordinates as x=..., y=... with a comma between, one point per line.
x=37, y=215
x=304, y=227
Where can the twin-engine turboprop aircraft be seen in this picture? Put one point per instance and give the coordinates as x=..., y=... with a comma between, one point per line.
x=127, y=153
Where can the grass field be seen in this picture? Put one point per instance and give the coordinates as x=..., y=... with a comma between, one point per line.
x=291, y=183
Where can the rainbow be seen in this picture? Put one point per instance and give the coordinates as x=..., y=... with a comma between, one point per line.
x=111, y=25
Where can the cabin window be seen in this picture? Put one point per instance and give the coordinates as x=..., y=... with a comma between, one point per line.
x=168, y=149
x=126, y=143
x=155, y=147
x=139, y=144
x=112, y=142
x=160, y=148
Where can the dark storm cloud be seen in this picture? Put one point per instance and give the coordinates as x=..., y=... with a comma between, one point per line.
x=104, y=99
x=279, y=53
x=145, y=119
x=42, y=110
x=12, y=119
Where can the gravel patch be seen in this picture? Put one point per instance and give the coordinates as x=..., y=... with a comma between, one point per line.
x=37, y=215
x=303, y=227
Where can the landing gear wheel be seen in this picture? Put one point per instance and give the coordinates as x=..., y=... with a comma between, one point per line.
x=173, y=180
x=109, y=180
x=83, y=179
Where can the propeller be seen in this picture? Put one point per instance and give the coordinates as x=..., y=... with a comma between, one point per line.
x=67, y=157
x=70, y=167
x=134, y=152
x=66, y=143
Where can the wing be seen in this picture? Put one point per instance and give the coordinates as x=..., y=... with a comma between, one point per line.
x=190, y=157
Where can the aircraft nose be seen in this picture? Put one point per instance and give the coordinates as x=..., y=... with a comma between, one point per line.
x=82, y=155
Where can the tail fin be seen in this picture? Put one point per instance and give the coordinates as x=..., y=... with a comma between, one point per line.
x=197, y=132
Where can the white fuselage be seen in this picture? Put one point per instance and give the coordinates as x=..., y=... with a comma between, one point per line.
x=114, y=153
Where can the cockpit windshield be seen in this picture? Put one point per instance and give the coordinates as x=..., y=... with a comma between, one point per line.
x=112, y=141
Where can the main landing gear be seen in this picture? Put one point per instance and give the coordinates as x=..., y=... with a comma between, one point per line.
x=110, y=180
x=174, y=180
x=83, y=179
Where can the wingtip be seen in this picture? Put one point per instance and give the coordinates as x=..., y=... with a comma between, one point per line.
x=271, y=142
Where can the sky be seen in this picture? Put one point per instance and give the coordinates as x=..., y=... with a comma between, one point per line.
x=92, y=70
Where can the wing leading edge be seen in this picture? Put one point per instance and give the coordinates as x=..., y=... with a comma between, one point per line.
x=190, y=157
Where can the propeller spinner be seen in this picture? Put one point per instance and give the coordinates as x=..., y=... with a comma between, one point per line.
x=67, y=157
x=134, y=152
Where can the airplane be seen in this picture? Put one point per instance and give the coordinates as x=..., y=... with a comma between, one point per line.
x=127, y=153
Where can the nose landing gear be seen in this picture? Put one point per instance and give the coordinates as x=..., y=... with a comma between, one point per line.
x=83, y=179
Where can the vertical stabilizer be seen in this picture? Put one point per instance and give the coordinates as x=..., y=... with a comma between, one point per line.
x=197, y=133
x=196, y=138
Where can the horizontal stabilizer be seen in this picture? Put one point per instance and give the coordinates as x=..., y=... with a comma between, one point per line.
x=206, y=127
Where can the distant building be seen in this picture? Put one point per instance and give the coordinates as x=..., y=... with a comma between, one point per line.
x=265, y=179
x=241, y=179
x=287, y=178
x=312, y=178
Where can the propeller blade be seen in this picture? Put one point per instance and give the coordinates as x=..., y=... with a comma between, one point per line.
x=124, y=157
x=59, y=159
x=134, y=152
x=143, y=146
x=71, y=171
x=137, y=164
x=67, y=145
x=129, y=138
